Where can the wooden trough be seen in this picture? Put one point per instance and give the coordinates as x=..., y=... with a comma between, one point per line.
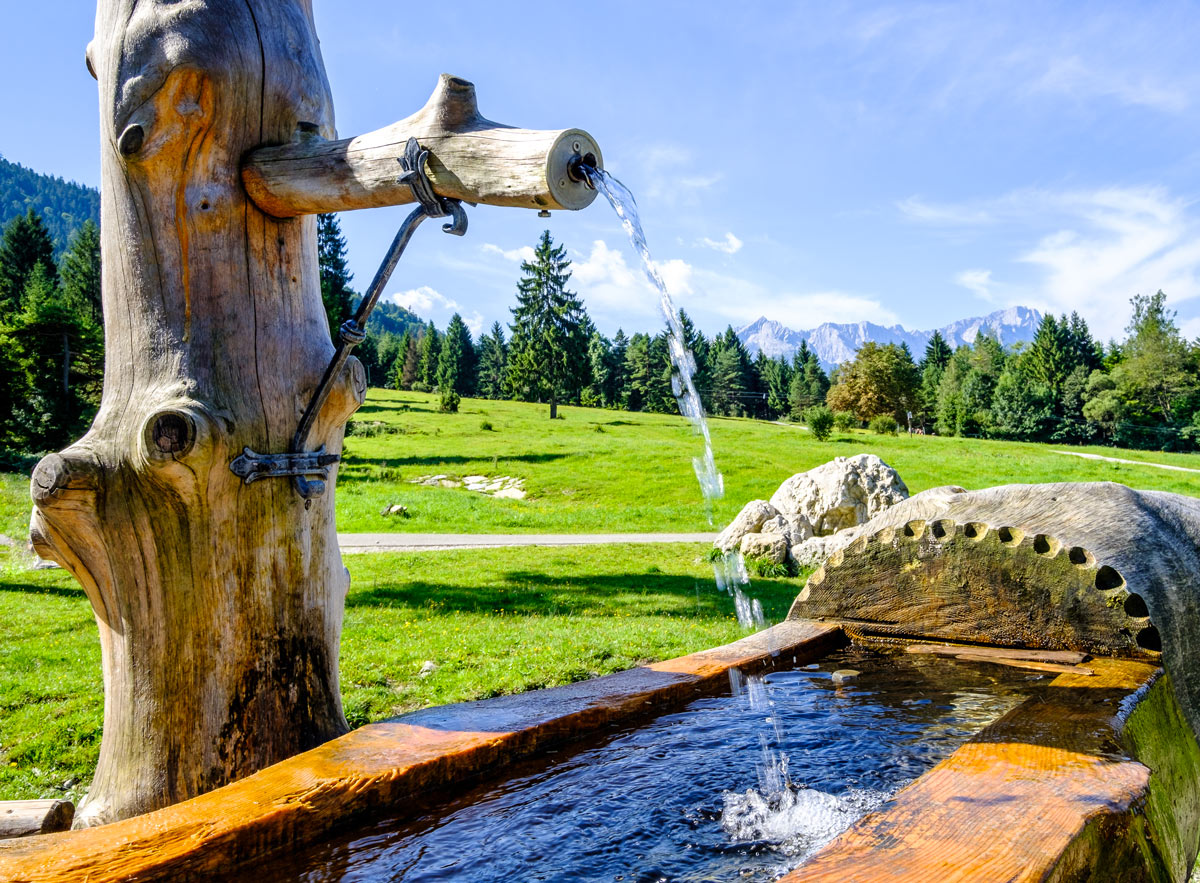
x=1096, y=778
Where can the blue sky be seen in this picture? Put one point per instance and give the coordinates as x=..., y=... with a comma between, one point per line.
x=912, y=163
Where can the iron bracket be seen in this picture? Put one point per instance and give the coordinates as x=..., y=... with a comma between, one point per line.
x=251, y=466
x=301, y=465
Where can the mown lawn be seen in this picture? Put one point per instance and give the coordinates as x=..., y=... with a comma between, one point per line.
x=492, y=620
x=600, y=471
x=615, y=471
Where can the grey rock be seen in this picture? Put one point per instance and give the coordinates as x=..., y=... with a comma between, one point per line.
x=772, y=546
x=843, y=493
x=749, y=520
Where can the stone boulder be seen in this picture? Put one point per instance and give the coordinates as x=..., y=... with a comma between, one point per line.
x=843, y=493
x=814, y=550
x=771, y=546
x=749, y=520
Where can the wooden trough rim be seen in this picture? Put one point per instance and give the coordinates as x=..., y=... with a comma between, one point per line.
x=1044, y=793
x=372, y=770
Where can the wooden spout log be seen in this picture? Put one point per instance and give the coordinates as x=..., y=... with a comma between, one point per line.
x=471, y=158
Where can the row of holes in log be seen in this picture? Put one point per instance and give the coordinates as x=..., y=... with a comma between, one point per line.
x=1108, y=580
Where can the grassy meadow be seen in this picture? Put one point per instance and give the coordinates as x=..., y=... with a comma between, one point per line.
x=496, y=620
x=492, y=620
x=601, y=471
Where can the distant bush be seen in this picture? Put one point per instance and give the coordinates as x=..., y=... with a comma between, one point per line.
x=883, y=424
x=420, y=387
x=486, y=426
x=450, y=401
x=372, y=428
x=844, y=421
x=819, y=420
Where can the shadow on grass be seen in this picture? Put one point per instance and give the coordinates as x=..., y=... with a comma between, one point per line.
x=32, y=589
x=530, y=593
x=354, y=460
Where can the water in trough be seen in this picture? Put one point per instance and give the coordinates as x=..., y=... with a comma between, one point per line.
x=668, y=800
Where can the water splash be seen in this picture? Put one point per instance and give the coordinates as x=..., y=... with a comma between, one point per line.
x=683, y=383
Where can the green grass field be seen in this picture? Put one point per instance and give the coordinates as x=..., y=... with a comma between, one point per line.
x=497, y=620
x=600, y=471
x=493, y=620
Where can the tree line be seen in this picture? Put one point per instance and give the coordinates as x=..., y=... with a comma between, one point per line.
x=1063, y=387
x=51, y=335
x=551, y=352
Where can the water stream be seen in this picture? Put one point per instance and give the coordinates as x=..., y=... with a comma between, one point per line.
x=774, y=805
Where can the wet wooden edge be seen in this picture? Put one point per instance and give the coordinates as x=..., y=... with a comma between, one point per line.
x=1053, y=790
x=372, y=770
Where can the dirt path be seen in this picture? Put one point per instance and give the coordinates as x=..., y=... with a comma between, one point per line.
x=413, y=542
x=1130, y=462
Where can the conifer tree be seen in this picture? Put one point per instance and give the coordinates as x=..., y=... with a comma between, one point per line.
x=493, y=364
x=937, y=353
x=81, y=271
x=430, y=352
x=548, y=351
x=619, y=379
x=26, y=245
x=410, y=372
x=336, y=293
x=456, y=361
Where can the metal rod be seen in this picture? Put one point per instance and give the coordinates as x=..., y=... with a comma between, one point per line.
x=350, y=337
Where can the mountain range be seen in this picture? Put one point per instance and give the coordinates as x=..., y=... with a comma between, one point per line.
x=835, y=343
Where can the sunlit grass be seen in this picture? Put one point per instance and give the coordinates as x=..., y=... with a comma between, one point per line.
x=492, y=620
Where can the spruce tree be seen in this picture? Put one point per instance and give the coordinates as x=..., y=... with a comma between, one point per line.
x=81, y=271
x=25, y=246
x=618, y=389
x=548, y=351
x=493, y=364
x=456, y=361
x=430, y=352
x=336, y=293
x=937, y=353
x=410, y=372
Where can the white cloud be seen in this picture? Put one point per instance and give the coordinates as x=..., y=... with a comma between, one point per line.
x=515, y=255
x=1085, y=251
x=420, y=300
x=966, y=215
x=729, y=245
x=1190, y=328
x=1075, y=78
x=429, y=303
x=617, y=294
x=978, y=281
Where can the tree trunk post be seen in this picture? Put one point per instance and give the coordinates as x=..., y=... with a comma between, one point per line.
x=219, y=604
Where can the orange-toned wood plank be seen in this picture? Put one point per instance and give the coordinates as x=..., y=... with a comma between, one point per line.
x=1014, y=802
x=376, y=767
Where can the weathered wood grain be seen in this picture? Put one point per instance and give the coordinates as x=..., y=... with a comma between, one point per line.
x=1062, y=657
x=951, y=581
x=471, y=158
x=219, y=604
x=21, y=818
x=1047, y=793
x=376, y=768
